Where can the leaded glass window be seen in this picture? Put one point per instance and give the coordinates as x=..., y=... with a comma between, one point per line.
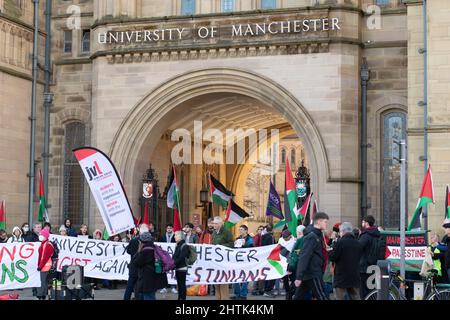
x=73, y=193
x=283, y=156
x=293, y=158
x=394, y=128
x=227, y=5
x=187, y=7
x=268, y=4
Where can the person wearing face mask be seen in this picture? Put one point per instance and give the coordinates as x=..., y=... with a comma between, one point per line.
x=3, y=236
x=16, y=235
x=26, y=231
x=34, y=235
x=46, y=251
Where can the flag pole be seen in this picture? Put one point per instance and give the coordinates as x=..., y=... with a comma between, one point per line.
x=402, y=210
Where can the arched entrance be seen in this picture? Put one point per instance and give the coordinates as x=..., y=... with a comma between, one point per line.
x=140, y=132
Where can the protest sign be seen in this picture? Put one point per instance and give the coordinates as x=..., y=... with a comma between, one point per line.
x=18, y=265
x=107, y=189
x=415, y=248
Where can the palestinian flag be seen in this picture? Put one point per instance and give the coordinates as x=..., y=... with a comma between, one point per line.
x=290, y=200
x=315, y=209
x=3, y=215
x=173, y=201
x=305, y=212
x=274, y=203
x=43, y=215
x=447, y=203
x=234, y=214
x=219, y=193
x=276, y=256
x=105, y=234
x=426, y=196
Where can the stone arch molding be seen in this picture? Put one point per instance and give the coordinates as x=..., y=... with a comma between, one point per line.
x=147, y=120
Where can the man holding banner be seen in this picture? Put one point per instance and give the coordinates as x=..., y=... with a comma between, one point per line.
x=222, y=236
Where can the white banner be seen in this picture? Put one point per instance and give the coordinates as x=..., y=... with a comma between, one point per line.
x=18, y=265
x=107, y=189
x=214, y=265
x=411, y=253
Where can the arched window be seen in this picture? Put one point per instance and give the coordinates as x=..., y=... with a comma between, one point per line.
x=394, y=128
x=268, y=4
x=73, y=194
x=293, y=158
x=227, y=5
x=283, y=156
x=302, y=154
x=187, y=7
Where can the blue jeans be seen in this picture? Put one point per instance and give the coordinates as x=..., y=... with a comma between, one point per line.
x=241, y=289
x=149, y=295
x=130, y=287
x=328, y=288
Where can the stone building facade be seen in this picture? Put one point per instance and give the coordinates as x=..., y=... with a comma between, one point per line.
x=119, y=86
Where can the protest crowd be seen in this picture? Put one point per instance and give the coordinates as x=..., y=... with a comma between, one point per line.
x=322, y=263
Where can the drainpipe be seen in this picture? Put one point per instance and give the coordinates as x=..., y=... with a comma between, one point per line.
x=364, y=74
x=31, y=172
x=424, y=102
x=48, y=96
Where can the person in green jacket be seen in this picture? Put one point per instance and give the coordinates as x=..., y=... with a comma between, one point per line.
x=222, y=236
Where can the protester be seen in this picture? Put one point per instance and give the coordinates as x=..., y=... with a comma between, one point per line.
x=47, y=226
x=148, y=280
x=258, y=236
x=3, y=236
x=190, y=235
x=311, y=261
x=287, y=241
x=446, y=227
x=206, y=237
x=369, y=234
x=180, y=255
x=84, y=233
x=16, y=235
x=267, y=239
x=293, y=261
x=46, y=251
x=258, y=286
x=346, y=253
x=169, y=236
x=34, y=236
x=438, y=258
x=63, y=231
x=222, y=236
x=151, y=229
x=132, y=250
x=70, y=231
x=198, y=231
x=330, y=239
x=243, y=241
x=26, y=232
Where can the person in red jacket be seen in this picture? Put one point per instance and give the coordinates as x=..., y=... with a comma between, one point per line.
x=46, y=251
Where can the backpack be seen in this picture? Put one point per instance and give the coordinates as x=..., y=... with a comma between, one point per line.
x=377, y=250
x=192, y=257
x=54, y=256
x=163, y=261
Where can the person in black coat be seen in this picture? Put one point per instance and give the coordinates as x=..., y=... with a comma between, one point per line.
x=179, y=257
x=346, y=254
x=71, y=232
x=369, y=234
x=267, y=239
x=148, y=280
x=34, y=235
x=311, y=261
x=169, y=236
x=446, y=240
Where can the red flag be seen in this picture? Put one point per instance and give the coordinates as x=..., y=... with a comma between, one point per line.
x=3, y=215
x=146, y=219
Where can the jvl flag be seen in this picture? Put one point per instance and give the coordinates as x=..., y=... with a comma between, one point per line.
x=173, y=201
x=43, y=215
x=219, y=193
x=447, y=203
x=274, y=203
x=3, y=215
x=426, y=196
x=234, y=214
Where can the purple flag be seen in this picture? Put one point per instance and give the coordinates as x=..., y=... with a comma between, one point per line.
x=274, y=203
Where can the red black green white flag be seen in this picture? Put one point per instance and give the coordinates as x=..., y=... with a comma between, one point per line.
x=276, y=256
x=219, y=194
x=173, y=201
x=3, y=215
x=426, y=196
x=291, y=214
x=234, y=214
x=43, y=215
x=305, y=210
x=447, y=203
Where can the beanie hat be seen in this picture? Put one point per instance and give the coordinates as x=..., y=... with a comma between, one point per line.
x=145, y=237
x=446, y=223
x=45, y=233
x=336, y=227
x=62, y=228
x=286, y=234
